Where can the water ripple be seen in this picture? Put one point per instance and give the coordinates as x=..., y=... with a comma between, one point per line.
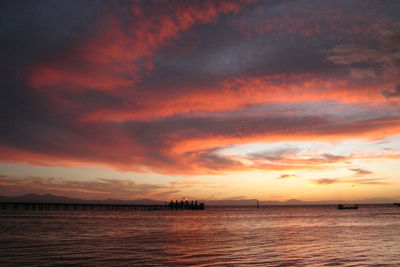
x=274, y=236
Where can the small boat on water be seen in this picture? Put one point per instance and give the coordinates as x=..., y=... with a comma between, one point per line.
x=348, y=207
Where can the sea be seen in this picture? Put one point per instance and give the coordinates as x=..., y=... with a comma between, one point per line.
x=218, y=236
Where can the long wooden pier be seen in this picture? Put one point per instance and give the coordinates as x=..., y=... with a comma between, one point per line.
x=35, y=206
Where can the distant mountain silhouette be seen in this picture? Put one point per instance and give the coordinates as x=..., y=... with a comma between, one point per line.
x=49, y=198
x=228, y=202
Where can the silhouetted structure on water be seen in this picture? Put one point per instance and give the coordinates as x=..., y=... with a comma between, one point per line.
x=182, y=205
x=186, y=205
x=347, y=207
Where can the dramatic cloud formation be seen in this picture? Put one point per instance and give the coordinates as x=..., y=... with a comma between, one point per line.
x=168, y=87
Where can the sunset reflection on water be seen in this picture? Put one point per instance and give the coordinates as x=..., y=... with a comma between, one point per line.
x=309, y=235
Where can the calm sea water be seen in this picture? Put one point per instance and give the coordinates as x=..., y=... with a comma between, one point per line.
x=269, y=236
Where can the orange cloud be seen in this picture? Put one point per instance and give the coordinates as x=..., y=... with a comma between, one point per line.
x=240, y=93
x=121, y=50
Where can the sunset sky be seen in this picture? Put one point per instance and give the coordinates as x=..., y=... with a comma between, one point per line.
x=271, y=100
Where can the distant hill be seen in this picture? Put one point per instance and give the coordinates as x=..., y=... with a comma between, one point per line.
x=239, y=202
x=49, y=198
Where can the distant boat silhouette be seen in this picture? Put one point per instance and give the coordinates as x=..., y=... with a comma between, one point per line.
x=347, y=207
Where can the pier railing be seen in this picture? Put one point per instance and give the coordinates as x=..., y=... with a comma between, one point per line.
x=182, y=205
